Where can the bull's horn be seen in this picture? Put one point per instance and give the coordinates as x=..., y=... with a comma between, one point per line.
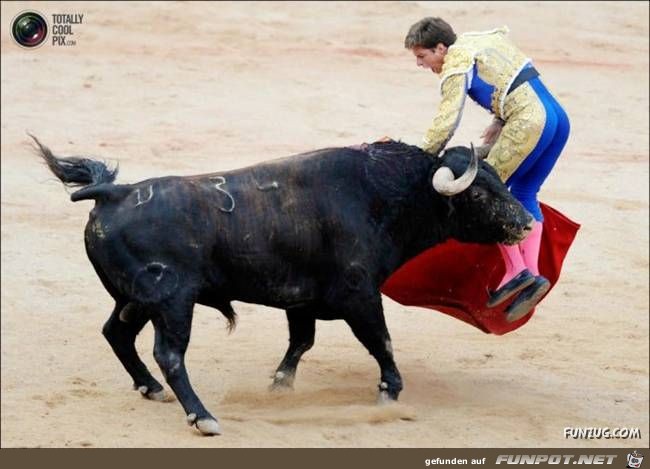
x=445, y=183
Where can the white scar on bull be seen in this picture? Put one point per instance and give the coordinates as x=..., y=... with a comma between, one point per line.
x=267, y=186
x=154, y=282
x=140, y=201
x=222, y=181
x=98, y=229
x=158, y=265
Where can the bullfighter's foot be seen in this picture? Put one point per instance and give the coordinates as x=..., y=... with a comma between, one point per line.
x=207, y=426
x=385, y=396
x=282, y=381
x=520, y=281
x=160, y=395
x=527, y=299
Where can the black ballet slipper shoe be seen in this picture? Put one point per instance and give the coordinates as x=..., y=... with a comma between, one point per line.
x=527, y=299
x=520, y=281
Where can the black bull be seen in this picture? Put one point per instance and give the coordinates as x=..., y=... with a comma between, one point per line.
x=315, y=234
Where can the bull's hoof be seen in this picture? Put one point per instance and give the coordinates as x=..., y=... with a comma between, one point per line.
x=207, y=426
x=158, y=396
x=282, y=381
x=384, y=396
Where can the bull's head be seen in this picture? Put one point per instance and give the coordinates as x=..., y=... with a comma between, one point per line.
x=482, y=209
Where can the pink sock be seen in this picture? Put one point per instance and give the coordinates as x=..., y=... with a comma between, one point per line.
x=529, y=248
x=513, y=260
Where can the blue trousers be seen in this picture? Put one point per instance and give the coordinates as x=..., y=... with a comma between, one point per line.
x=528, y=178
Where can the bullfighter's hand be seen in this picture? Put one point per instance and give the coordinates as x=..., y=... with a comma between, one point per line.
x=385, y=139
x=491, y=133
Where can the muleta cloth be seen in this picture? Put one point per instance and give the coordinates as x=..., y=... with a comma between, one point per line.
x=454, y=278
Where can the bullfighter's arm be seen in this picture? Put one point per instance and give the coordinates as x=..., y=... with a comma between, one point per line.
x=454, y=92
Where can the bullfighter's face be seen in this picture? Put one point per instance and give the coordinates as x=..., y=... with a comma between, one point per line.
x=430, y=58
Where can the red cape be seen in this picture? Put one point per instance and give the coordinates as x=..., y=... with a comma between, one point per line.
x=454, y=277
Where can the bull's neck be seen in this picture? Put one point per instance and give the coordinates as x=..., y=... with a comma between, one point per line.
x=419, y=222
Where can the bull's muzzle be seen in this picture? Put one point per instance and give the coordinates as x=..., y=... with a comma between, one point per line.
x=517, y=233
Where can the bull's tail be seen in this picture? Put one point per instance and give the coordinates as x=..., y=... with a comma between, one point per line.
x=76, y=171
x=231, y=316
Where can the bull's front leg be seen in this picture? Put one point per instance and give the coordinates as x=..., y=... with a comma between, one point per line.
x=121, y=329
x=173, y=326
x=302, y=328
x=366, y=319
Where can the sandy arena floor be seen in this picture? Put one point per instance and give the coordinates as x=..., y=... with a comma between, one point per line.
x=182, y=89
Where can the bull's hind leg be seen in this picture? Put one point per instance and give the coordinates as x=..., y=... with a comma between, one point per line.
x=173, y=325
x=121, y=329
x=366, y=319
x=302, y=328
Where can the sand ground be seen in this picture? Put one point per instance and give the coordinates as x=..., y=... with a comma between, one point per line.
x=182, y=89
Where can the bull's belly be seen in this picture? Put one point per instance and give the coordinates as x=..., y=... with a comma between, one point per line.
x=272, y=286
x=287, y=295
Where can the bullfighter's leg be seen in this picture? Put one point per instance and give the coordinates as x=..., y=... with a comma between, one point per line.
x=368, y=325
x=302, y=328
x=121, y=329
x=173, y=325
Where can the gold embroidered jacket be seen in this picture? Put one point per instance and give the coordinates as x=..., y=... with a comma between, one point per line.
x=498, y=62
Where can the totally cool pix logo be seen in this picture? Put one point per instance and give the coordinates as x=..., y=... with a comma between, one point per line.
x=30, y=29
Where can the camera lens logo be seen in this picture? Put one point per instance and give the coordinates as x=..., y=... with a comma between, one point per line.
x=29, y=29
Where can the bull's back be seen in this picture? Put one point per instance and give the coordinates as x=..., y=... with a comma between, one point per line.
x=291, y=191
